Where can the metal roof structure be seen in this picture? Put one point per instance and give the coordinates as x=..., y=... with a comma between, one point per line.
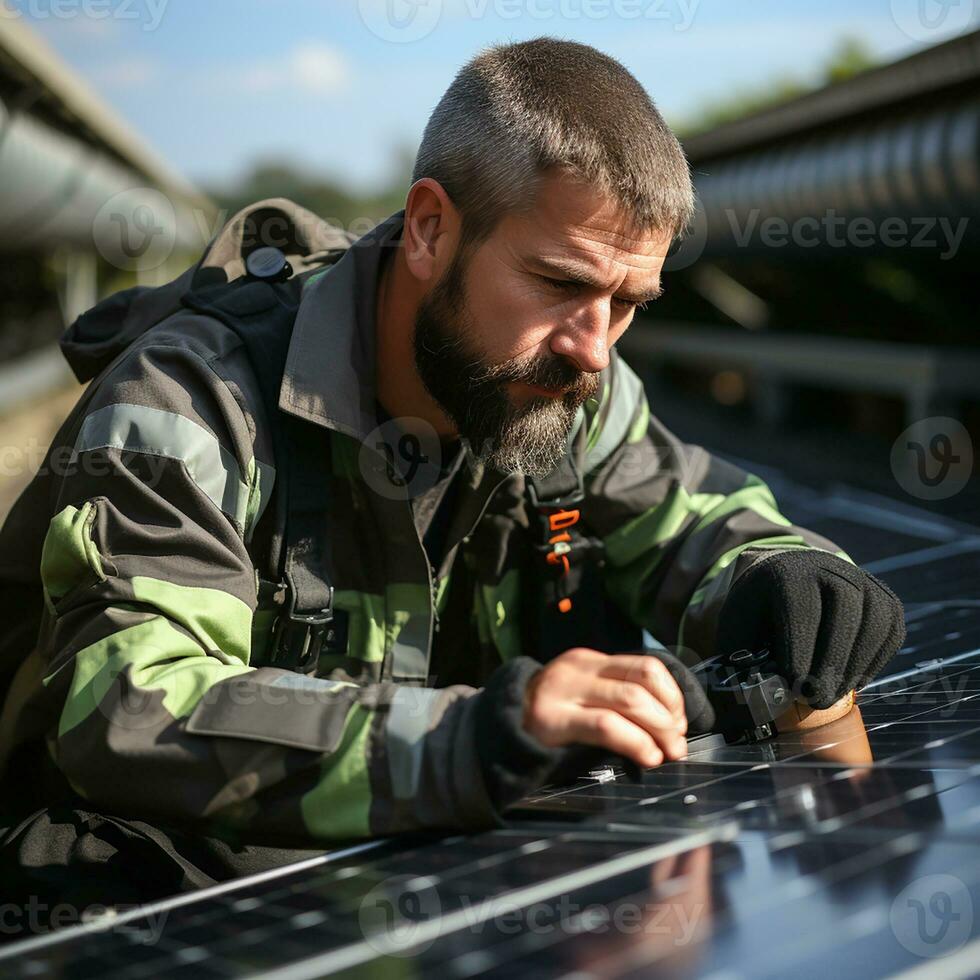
x=64, y=154
x=901, y=140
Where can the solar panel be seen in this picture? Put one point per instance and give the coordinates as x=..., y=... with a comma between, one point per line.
x=847, y=850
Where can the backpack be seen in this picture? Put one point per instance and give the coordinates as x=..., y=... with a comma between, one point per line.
x=254, y=290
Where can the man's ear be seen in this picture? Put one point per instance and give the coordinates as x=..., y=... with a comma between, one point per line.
x=431, y=232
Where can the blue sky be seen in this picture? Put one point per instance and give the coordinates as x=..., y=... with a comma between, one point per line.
x=337, y=84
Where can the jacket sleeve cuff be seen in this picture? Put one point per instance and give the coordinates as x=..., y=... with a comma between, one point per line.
x=513, y=762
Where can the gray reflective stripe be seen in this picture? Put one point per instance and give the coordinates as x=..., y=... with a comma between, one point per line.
x=141, y=429
x=409, y=659
x=405, y=729
x=315, y=685
x=626, y=391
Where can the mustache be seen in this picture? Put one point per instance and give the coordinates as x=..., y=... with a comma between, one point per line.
x=550, y=373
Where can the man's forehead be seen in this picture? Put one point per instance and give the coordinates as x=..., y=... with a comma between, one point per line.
x=599, y=248
x=572, y=221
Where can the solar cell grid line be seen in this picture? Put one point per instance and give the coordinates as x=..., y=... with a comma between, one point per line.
x=918, y=662
x=798, y=897
x=785, y=795
x=947, y=688
x=751, y=964
x=272, y=922
x=778, y=922
x=858, y=936
x=962, y=542
x=920, y=673
x=956, y=711
x=355, y=955
x=687, y=774
x=23, y=947
x=904, y=747
x=275, y=915
x=556, y=923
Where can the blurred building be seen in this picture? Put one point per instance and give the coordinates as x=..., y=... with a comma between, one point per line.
x=85, y=207
x=827, y=297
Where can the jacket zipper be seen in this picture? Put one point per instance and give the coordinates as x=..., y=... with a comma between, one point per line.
x=433, y=574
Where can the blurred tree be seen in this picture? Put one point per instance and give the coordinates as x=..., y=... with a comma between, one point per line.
x=850, y=57
x=327, y=197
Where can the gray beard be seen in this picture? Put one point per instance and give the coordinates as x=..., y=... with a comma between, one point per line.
x=529, y=438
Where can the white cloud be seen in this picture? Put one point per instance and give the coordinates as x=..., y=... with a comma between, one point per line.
x=313, y=68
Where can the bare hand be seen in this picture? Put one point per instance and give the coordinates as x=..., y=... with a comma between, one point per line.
x=626, y=703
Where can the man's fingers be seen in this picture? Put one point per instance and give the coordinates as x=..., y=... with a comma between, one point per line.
x=613, y=731
x=637, y=704
x=628, y=704
x=649, y=673
x=610, y=730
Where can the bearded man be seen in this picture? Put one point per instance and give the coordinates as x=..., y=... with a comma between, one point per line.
x=441, y=367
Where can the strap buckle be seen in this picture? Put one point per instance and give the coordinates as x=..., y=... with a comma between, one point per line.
x=557, y=517
x=549, y=503
x=298, y=637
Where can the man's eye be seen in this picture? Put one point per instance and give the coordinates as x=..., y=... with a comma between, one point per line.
x=563, y=285
x=570, y=286
x=627, y=304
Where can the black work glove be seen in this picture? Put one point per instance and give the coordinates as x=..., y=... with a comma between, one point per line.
x=514, y=762
x=830, y=625
x=697, y=707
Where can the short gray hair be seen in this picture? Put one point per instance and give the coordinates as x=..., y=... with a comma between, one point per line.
x=516, y=110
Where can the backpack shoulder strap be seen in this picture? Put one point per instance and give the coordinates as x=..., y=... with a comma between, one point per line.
x=262, y=314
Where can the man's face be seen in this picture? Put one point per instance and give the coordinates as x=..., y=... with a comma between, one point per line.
x=511, y=340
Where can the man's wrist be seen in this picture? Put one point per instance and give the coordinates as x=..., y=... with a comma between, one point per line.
x=513, y=761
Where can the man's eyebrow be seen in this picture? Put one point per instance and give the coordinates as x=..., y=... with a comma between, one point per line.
x=584, y=276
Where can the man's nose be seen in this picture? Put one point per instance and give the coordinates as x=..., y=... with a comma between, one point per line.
x=584, y=337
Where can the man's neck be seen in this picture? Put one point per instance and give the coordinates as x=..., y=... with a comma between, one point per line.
x=399, y=388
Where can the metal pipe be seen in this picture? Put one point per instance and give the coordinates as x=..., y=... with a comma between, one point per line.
x=53, y=188
x=917, y=165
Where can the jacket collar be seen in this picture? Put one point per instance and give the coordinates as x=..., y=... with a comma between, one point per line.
x=330, y=366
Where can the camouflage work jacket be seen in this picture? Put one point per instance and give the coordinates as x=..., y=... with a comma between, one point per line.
x=131, y=566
